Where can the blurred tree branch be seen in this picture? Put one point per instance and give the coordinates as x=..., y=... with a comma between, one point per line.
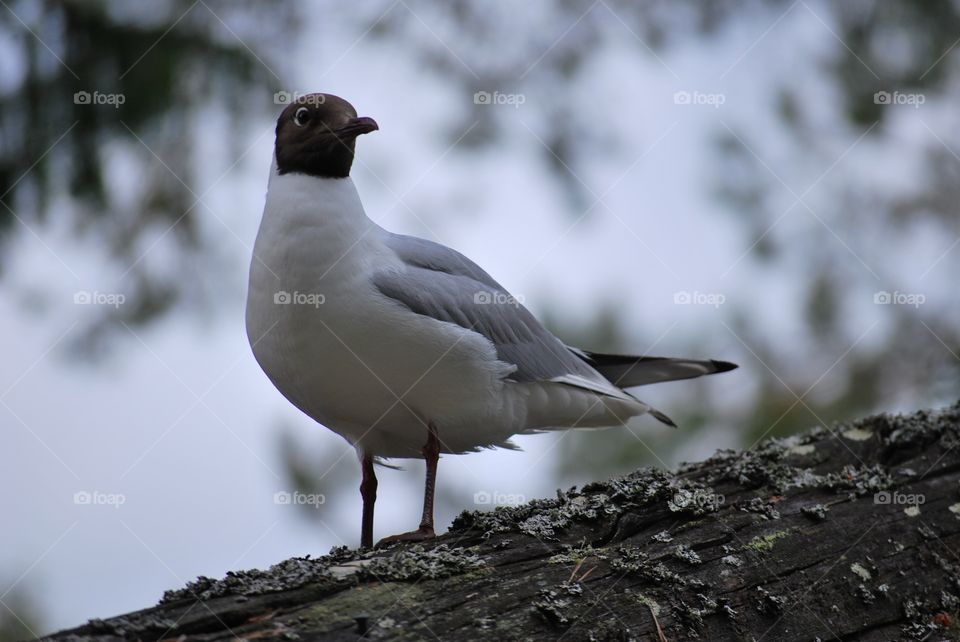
x=156, y=70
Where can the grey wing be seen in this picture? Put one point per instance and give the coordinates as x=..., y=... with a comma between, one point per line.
x=442, y=284
x=426, y=254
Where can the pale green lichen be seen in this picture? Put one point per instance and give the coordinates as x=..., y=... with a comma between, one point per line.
x=553, y=605
x=633, y=561
x=687, y=554
x=817, y=512
x=860, y=571
x=544, y=519
x=857, y=434
x=418, y=562
x=763, y=544
x=761, y=506
x=576, y=554
x=649, y=602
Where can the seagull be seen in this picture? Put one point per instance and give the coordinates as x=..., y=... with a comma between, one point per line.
x=403, y=346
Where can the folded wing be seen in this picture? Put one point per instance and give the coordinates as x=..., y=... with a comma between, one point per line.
x=443, y=284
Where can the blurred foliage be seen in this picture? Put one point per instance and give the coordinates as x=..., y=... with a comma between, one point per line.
x=171, y=62
x=20, y=616
x=174, y=60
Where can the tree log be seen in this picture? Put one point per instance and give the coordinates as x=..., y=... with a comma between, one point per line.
x=850, y=532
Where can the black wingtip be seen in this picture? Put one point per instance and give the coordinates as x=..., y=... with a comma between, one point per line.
x=723, y=366
x=659, y=416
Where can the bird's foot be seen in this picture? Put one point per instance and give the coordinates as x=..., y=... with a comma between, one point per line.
x=419, y=535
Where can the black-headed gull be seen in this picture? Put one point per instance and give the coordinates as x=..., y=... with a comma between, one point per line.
x=405, y=347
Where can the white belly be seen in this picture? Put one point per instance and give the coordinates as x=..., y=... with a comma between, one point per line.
x=379, y=381
x=357, y=362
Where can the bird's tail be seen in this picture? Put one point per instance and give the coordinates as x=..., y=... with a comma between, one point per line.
x=625, y=371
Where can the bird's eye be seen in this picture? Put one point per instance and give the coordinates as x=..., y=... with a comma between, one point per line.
x=302, y=117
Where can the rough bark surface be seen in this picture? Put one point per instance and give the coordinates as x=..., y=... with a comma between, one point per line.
x=850, y=532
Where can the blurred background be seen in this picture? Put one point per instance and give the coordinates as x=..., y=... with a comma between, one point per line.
x=768, y=182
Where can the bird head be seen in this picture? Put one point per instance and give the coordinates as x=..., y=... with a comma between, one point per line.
x=316, y=135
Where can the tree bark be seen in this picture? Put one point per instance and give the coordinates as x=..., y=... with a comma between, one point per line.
x=850, y=532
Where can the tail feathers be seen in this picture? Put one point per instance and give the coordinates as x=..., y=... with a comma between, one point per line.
x=662, y=418
x=656, y=414
x=382, y=461
x=626, y=371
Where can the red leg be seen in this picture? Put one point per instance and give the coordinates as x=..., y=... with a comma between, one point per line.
x=431, y=455
x=368, y=490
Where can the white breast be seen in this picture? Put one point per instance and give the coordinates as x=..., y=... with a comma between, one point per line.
x=357, y=362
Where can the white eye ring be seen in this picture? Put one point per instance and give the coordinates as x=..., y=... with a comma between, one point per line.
x=301, y=117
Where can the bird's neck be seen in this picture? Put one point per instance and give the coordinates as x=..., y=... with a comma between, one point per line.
x=331, y=204
x=315, y=226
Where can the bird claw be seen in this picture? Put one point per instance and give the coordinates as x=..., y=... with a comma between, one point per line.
x=419, y=535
